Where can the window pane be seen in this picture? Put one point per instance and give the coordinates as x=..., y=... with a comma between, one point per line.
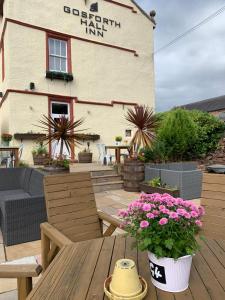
x=57, y=47
x=63, y=65
x=57, y=64
x=52, y=63
x=59, y=108
x=51, y=46
x=63, y=48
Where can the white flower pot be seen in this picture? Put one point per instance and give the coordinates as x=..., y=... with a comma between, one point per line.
x=169, y=274
x=118, y=143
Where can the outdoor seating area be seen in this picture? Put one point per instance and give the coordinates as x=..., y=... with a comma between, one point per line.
x=76, y=253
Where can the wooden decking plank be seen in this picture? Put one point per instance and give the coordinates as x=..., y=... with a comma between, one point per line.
x=217, y=250
x=71, y=208
x=197, y=287
x=76, y=280
x=185, y=295
x=213, y=178
x=131, y=250
x=101, y=271
x=144, y=271
x=212, y=285
x=69, y=193
x=221, y=243
x=42, y=286
x=66, y=178
x=71, y=200
x=214, y=195
x=64, y=186
x=213, y=187
x=118, y=253
x=164, y=295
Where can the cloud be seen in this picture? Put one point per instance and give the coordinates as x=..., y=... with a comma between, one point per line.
x=193, y=68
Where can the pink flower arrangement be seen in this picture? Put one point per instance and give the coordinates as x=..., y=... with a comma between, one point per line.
x=163, y=225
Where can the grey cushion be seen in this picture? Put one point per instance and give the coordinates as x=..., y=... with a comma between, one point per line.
x=36, y=183
x=13, y=195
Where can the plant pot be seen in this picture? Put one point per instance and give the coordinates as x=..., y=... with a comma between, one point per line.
x=169, y=274
x=148, y=189
x=5, y=143
x=85, y=157
x=51, y=170
x=133, y=175
x=118, y=143
x=40, y=159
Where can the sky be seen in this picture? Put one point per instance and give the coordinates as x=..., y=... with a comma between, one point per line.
x=193, y=69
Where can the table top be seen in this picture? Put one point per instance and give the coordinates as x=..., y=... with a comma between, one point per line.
x=117, y=147
x=79, y=270
x=8, y=148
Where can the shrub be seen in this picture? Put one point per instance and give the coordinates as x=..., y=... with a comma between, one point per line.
x=209, y=131
x=164, y=225
x=178, y=133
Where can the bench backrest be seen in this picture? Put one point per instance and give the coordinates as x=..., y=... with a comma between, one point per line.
x=213, y=200
x=71, y=206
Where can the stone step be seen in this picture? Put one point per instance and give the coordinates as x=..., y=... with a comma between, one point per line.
x=105, y=178
x=103, y=173
x=107, y=186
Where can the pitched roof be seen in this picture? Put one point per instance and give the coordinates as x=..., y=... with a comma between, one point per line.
x=209, y=105
x=143, y=12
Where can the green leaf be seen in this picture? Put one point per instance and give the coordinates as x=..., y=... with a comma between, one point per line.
x=169, y=243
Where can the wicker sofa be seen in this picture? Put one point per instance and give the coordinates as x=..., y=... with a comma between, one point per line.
x=22, y=205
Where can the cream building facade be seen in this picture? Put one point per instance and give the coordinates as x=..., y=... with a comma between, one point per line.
x=91, y=59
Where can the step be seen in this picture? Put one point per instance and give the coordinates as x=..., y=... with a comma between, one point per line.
x=103, y=173
x=107, y=186
x=105, y=178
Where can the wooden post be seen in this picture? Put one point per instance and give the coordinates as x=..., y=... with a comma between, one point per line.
x=45, y=248
x=24, y=287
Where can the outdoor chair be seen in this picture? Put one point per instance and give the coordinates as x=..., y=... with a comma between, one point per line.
x=103, y=157
x=213, y=200
x=72, y=214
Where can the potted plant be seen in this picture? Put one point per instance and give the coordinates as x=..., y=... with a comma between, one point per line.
x=85, y=156
x=61, y=131
x=40, y=155
x=145, y=122
x=6, y=139
x=166, y=227
x=118, y=140
x=156, y=186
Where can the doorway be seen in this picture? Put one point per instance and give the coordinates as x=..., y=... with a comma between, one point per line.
x=59, y=109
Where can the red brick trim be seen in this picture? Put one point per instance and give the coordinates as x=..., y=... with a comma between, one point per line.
x=65, y=98
x=122, y=5
x=69, y=56
x=49, y=31
x=3, y=62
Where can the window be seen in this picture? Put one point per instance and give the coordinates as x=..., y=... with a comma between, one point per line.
x=128, y=133
x=58, y=55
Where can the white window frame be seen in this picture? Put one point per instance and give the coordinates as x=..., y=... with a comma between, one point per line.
x=61, y=57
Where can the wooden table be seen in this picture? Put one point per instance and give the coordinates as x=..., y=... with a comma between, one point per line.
x=13, y=150
x=79, y=270
x=117, y=151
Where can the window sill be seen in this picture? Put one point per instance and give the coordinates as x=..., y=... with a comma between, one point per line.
x=59, y=75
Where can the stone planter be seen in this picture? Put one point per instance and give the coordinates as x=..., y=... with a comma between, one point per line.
x=133, y=175
x=183, y=175
x=85, y=157
x=148, y=189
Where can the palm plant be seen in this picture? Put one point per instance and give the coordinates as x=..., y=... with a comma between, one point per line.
x=145, y=122
x=61, y=131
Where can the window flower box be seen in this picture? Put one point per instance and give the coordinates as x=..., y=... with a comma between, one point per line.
x=59, y=75
x=28, y=136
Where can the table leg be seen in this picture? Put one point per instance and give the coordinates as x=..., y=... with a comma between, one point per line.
x=118, y=156
x=16, y=153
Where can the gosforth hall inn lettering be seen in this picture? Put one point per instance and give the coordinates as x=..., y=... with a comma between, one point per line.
x=94, y=24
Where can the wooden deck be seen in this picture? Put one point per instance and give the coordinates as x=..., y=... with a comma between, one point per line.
x=79, y=271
